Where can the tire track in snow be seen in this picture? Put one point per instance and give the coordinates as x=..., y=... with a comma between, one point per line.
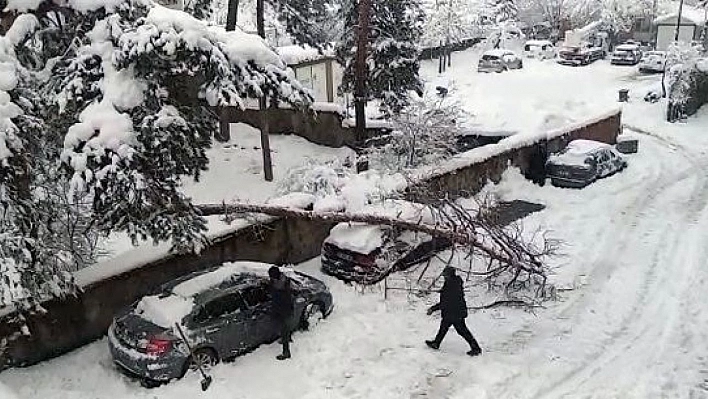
x=643, y=326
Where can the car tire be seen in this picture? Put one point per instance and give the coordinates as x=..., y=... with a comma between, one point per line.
x=311, y=315
x=150, y=384
x=207, y=357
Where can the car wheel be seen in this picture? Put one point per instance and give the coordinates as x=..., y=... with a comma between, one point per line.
x=311, y=316
x=150, y=384
x=206, y=358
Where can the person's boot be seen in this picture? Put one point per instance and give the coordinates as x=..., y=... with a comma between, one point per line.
x=283, y=356
x=475, y=351
x=432, y=344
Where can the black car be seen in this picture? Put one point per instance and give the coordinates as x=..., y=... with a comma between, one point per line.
x=366, y=254
x=224, y=312
x=582, y=162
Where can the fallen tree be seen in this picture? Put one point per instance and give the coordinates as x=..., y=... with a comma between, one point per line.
x=514, y=260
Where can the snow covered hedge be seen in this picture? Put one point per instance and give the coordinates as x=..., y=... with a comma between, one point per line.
x=98, y=128
x=688, y=81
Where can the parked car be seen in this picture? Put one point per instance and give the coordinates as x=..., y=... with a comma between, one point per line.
x=579, y=55
x=582, y=162
x=499, y=60
x=653, y=61
x=362, y=253
x=224, y=311
x=626, y=54
x=540, y=49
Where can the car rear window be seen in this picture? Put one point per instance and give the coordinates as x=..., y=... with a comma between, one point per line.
x=488, y=57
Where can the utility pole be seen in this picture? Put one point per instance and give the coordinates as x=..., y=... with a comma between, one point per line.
x=263, y=104
x=360, y=72
x=678, y=22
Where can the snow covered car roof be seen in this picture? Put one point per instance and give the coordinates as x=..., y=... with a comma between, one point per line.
x=365, y=238
x=538, y=43
x=178, y=297
x=627, y=47
x=499, y=52
x=577, y=152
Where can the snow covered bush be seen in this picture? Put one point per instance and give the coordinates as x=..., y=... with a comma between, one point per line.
x=423, y=133
x=316, y=178
x=105, y=108
x=687, y=82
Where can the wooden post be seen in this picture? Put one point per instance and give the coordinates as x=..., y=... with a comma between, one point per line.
x=263, y=104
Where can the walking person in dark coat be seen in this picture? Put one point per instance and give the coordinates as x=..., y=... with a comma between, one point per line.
x=453, y=307
x=282, y=311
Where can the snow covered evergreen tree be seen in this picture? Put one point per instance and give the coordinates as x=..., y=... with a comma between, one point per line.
x=392, y=60
x=501, y=11
x=105, y=107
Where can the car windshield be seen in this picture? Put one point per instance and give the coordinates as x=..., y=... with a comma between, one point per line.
x=489, y=57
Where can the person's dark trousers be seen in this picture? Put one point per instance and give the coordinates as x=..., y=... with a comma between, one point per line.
x=461, y=329
x=285, y=335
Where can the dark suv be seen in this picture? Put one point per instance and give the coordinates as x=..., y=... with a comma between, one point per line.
x=224, y=311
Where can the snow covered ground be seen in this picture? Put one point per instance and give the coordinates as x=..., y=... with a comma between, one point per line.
x=630, y=322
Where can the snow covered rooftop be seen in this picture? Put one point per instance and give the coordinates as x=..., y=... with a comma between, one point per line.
x=688, y=14
x=296, y=54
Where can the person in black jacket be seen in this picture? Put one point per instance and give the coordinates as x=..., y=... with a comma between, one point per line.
x=453, y=307
x=282, y=311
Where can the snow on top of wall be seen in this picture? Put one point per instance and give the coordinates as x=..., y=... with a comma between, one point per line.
x=149, y=253
x=297, y=54
x=78, y=5
x=295, y=200
x=484, y=153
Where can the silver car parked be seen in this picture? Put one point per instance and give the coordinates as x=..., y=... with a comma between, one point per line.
x=224, y=312
x=499, y=60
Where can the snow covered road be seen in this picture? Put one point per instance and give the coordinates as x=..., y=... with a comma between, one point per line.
x=631, y=320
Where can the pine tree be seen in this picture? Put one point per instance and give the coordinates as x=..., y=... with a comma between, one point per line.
x=503, y=10
x=103, y=114
x=393, y=52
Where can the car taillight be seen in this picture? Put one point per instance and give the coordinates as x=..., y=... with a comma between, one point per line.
x=365, y=260
x=158, y=346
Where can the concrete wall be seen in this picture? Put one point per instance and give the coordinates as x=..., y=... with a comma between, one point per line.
x=75, y=321
x=323, y=127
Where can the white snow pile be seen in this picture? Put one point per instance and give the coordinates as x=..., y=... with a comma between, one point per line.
x=295, y=200
x=364, y=238
x=165, y=311
x=356, y=237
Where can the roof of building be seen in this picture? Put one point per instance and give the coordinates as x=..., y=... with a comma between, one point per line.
x=689, y=14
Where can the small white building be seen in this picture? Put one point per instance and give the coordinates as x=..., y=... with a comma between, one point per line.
x=319, y=72
x=693, y=22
